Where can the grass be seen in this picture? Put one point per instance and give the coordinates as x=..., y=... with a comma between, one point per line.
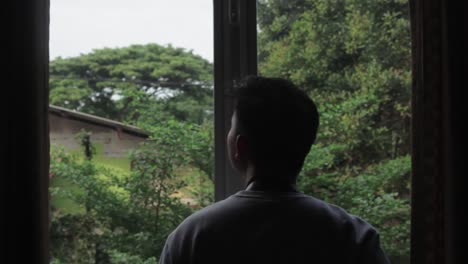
x=112, y=163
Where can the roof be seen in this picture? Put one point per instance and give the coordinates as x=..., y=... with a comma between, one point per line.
x=96, y=120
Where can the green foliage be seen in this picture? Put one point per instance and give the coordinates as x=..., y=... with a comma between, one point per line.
x=73, y=238
x=84, y=137
x=127, y=218
x=125, y=83
x=353, y=58
x=124, y=216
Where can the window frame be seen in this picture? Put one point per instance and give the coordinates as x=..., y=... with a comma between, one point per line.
x=235, y=56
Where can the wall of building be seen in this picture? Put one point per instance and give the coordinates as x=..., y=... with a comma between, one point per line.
x=114, y=144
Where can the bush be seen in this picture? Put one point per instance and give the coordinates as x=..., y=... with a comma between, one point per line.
x=126, y=218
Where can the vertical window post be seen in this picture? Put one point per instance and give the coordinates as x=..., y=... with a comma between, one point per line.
x=235, y=56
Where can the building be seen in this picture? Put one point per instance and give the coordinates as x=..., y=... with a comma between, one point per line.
x=113, y=139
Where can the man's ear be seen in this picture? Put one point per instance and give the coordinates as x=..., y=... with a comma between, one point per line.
x=242, y=146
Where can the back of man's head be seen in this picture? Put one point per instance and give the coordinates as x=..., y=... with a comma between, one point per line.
x=280, y=122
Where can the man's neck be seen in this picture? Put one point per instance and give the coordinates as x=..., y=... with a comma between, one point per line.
x=258, y=180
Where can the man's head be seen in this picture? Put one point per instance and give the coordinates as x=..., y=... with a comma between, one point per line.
x=273, y=128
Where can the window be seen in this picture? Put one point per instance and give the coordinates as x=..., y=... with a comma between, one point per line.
x=131, y=125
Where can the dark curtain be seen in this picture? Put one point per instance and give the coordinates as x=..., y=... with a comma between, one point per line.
x=439, y=30
x=24, y=141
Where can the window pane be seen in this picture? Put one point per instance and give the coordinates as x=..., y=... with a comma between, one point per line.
x=131, y=131
x=353, y=58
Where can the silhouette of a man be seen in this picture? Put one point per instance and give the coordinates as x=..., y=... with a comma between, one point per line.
x=272, y=130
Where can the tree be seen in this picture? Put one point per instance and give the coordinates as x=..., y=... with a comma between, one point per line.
x=353, y=58
x=125, y=83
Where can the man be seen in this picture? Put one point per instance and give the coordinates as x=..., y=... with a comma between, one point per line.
x=272, y=130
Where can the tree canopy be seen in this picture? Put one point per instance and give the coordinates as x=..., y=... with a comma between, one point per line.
x=134, y=83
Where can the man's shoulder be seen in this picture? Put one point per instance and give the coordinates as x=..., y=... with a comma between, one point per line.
x=296, y=205
x=217, y=209
x=341, y=217
x=203, y=217
x=289, y=217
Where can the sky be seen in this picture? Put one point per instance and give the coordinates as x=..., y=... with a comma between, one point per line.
x=79, y=26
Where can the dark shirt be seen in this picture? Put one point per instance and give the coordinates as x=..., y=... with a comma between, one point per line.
x=273, y=227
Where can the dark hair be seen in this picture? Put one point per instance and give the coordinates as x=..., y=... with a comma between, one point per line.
x=279, y=120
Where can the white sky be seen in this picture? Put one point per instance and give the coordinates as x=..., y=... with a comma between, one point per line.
x=79, y=26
